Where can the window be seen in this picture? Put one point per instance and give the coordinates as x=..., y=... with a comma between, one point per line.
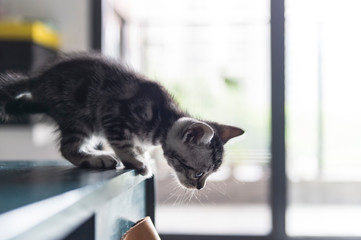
x=323, y=118
x=214, y=57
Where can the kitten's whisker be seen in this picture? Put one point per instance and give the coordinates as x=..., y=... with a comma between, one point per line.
x=221, y=188
x=170, y=184
x=206, y=196
x=183, y=195
x=195, y=195
x=174, y=187
x=192, y=194
x=188, y=196
x=179, y=196
x=172, y=194
x=176, y=196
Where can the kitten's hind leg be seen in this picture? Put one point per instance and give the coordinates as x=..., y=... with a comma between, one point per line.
x=24, y=105
x=74, y=147
x=11, y=85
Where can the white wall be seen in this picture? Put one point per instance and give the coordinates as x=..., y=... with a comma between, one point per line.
x=17, y=143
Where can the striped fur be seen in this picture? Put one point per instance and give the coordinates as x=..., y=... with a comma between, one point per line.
x=88, y=95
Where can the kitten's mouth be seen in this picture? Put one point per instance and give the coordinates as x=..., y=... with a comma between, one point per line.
x=188, y=185
x=192, y=185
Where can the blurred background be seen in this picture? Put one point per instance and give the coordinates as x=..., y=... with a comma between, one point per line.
x=214, y=57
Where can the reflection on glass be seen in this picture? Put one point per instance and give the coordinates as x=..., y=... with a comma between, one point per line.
x=214, y=57
x=323, y=117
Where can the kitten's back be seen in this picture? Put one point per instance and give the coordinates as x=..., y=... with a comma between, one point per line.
x=78, y=85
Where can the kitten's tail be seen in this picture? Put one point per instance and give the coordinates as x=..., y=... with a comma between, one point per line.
x=11, y=85
x=13, y=95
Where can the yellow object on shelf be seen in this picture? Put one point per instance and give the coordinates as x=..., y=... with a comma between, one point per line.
x=36, y=32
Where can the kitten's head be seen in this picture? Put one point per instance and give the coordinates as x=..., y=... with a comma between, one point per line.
x=194, y=149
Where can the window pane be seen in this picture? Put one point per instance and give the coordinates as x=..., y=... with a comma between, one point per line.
x=323, y=117
x=214, y=57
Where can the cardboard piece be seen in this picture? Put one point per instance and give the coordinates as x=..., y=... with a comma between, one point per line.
x=142, y=230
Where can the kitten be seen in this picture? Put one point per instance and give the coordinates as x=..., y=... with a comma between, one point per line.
x=89, y=95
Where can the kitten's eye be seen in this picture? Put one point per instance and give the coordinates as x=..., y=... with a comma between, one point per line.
x=198, y=174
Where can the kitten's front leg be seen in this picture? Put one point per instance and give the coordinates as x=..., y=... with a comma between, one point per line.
x=73, y=148
x=125, y=151
x=120, y=138
x=131, y=159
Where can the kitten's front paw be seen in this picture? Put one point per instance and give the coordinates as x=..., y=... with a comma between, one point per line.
x=145, y=171
x=141, y=167
x=104, y=161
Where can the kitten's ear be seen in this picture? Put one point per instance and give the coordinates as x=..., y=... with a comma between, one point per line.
x=227, y=132
x=198, y=133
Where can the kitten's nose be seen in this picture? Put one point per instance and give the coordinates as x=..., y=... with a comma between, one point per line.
x=200, y=186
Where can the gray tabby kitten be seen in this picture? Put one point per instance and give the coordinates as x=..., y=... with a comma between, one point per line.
x=90, y=96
